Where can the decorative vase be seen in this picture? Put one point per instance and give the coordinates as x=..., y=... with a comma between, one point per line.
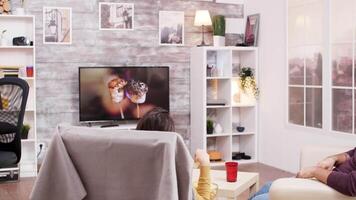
x=20, y=11
x=219, y=41
x=218, y=129
x=240, y=129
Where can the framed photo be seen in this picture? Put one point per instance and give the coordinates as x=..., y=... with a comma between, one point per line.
x=116, y=16
x=171, y=28
x=252, y=28
x=57, y=25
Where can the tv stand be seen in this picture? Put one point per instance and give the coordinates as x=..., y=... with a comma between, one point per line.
x=118, y=126
x=109, y=125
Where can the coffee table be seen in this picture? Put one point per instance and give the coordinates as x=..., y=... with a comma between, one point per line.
x=245, y=181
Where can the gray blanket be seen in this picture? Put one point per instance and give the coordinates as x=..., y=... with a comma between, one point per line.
x=99, y=164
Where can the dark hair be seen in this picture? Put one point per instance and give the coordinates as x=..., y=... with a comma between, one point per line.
x=157, y=119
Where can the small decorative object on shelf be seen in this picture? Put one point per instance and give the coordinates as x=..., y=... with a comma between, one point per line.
x=21, y=41
x=5, y=7
x=240, y=156
x=215, y=156
x=209, y=127
x=240, y=129
x=248, y=82
x=202, y=18
x=218, y=128
x=219, y=30
x=212, y=70
x=20, y=10
x=24, y=131
x=252, y=27
x=3, y=41
x=216, y=102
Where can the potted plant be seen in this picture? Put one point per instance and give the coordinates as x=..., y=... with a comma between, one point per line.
x=209, y=127
x=248, y=82
x=24, y=131
x=219, y=30
x=3, y=41
x=21, y=10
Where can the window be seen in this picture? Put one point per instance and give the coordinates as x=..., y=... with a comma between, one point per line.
x=343, y=64
x=305, y=58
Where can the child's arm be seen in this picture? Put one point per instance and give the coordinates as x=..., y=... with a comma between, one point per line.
x=204, y=184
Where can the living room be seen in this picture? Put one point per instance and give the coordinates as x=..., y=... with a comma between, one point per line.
x=266, y=84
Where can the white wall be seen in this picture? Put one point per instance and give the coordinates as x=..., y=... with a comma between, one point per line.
x=280, y=143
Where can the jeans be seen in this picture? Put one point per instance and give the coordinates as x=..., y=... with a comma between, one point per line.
x=262, y=194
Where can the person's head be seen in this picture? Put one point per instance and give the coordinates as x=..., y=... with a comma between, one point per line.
x=157, y=119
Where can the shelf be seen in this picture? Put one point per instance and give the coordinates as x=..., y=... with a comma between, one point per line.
x=16, y=47
x=243, y=133
x=226, y=106
x=28, y=140
x=215, y=78
x=243, y=105
x=212, y=48
x=27, y=78
x=218, y=135
x=17, y=16
x=218, y=78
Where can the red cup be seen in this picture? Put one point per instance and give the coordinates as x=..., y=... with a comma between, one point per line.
x=29, y=71
x=231, y=171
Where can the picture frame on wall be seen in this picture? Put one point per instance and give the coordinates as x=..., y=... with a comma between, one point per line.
x=57, y=25
x=171, y=28
x=252, y=29
x=116, y=16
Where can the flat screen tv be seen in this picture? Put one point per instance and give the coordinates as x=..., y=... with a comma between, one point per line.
x=121, y=93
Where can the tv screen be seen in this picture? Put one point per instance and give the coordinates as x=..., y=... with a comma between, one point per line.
x=121, y=93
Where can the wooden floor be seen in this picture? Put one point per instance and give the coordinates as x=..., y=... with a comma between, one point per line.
x=21, y=190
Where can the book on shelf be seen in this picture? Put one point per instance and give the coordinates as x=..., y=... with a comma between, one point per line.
x=9, y=71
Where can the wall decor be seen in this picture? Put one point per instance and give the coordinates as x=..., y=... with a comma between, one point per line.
x=116, y=16
x=171, y=28
x=5, y=7
x=57, y=25
x=252, y=27
x=235, y=30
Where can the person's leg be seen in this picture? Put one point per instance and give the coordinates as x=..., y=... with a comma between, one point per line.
x=261, y=197
x=264, y=190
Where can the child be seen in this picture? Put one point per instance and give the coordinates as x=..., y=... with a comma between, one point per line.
x=158, y=119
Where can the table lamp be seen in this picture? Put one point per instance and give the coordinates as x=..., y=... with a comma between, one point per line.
x=202, y=18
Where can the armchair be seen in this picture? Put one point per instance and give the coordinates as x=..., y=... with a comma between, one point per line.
x=13, y=99
x=307, y=189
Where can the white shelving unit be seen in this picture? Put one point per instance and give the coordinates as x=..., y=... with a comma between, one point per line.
x=23, y=56
x=239, y=109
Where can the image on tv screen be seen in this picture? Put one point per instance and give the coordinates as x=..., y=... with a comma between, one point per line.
x=122, y=93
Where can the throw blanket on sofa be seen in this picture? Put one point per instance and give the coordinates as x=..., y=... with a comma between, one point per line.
x=97, y=164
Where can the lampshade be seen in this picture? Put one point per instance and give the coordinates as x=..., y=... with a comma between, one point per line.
x=202, y=18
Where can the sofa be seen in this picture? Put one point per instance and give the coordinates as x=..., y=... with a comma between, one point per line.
x=308, y=189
